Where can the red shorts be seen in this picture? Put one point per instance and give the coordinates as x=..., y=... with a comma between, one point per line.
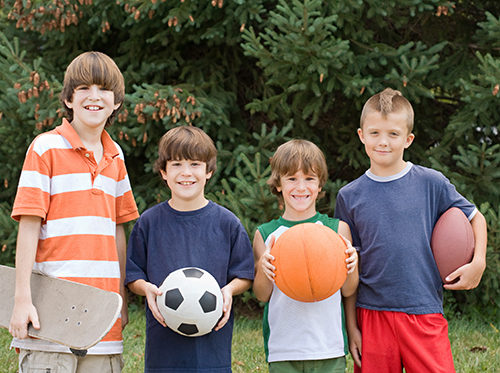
x=393, y=340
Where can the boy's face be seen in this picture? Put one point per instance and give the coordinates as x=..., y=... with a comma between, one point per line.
x=300, y=192
x=186, y=180
x=385, y=140
x=92, y=105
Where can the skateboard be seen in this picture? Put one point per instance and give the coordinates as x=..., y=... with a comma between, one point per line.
x=75, y=315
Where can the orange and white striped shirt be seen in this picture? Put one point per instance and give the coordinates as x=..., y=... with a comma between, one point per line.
x=80, y=203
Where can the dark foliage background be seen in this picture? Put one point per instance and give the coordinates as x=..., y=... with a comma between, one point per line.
x=254, y=74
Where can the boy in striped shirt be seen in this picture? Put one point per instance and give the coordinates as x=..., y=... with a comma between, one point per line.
x=73, y=197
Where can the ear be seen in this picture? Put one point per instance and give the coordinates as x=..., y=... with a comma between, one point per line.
x=409, y=140
x=360, y=134
x=117, y=106
x=209, y=175
x=68, y=104
x=279, y=189
x=163, y=174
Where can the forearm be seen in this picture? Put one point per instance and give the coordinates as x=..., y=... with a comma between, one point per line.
x=351, y=284
x=262, y=287
x=350, y=311
x=238, y=286
x=27, y=244
x=479, y=228
x=121, y=248
x=139, y=287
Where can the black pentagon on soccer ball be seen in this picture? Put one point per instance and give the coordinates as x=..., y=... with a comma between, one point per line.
x=188, y=329
x=193, y=272
x=173, y=299
x=208, y=302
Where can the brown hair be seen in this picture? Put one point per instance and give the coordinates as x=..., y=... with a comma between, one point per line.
x=295, y=155
x=93, y=68
x=189, y=143
x=386, y=102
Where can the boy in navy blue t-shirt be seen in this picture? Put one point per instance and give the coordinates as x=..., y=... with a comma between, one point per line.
x=188, y=231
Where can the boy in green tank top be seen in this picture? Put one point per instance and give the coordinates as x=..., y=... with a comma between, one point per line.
x=300, y=336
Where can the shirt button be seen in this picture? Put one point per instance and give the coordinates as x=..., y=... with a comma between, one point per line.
x=87, y=155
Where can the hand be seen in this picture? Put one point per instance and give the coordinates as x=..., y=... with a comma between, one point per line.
x=352, y=261
x=355, y=342
x=23, y=314
x=265, y=261
x=227, y=304
x=469, y=276
x=152, y=292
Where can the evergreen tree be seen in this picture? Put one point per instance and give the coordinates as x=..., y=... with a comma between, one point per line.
x=255, y=73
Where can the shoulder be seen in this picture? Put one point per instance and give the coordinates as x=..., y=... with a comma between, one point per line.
x=121, y=155
x=48, y=141
x=427, y=174
x=354, y=186
x=223, y=213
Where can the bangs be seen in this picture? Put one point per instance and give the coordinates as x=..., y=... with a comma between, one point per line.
x=185, y=149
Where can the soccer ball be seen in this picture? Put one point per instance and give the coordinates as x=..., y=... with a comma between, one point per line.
x=191, y=303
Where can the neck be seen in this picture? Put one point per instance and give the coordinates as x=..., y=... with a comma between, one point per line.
x=182, y=205
x=292, y=215
x=388, y=171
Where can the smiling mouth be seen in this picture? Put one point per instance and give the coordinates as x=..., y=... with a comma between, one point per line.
x=301, y=197
x=93, y=108
x=186, y=182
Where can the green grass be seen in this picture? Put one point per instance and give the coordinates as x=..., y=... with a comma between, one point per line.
x=475, y=346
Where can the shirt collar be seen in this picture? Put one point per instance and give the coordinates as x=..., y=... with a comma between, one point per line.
x=68, y=132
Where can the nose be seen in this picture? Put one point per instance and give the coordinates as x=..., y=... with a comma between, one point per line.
x=94, y=92
x=383, y=141
x=186, y=170
x=301, y=185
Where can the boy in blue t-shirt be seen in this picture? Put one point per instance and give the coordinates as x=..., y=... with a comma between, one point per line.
x=300, y=336
x=188, y=231
x=392, y=210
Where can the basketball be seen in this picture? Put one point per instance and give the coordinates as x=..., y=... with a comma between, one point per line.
x=452, y=242
x=310, y=262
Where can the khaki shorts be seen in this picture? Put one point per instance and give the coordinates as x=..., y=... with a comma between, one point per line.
x=336, y=365
x=54, y=362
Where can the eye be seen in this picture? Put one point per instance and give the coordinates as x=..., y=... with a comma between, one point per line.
x=81, y=88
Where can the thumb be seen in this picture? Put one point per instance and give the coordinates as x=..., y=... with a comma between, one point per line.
x=34, y=321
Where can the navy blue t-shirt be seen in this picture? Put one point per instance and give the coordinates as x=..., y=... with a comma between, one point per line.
x=164, y=240
x=391, y=221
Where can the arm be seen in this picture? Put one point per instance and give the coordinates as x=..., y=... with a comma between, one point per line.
x=121, y=248
x=235, y=287
x=27, y=242
x=150, y=291
x=352, y=280
x=470, y=274
x=264, y=270
x=353, y=332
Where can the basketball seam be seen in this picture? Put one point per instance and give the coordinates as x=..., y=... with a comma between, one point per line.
x=306, y=259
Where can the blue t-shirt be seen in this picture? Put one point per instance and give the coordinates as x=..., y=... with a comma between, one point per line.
x=391, y=221
x=164, y=240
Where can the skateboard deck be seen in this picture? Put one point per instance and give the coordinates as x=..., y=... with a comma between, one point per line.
x=75, y=315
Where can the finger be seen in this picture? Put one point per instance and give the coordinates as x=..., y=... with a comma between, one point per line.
x=222, y=321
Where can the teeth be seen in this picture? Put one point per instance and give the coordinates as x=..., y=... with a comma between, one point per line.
x=93, y=108
x=186, y=182
x=301, y=197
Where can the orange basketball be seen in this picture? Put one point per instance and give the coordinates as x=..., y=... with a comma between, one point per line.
x=310, y=262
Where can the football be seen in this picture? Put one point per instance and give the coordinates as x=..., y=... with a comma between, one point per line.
x=191, y=302
x=452, y=242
